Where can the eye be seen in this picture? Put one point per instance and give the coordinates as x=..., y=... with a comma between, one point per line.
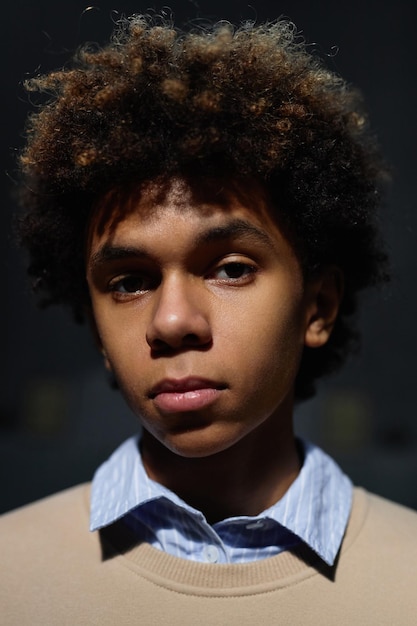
x=130, y=284
x=234, y=271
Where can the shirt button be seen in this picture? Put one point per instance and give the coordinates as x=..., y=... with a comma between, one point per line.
x=211, y=553
x=256, y=525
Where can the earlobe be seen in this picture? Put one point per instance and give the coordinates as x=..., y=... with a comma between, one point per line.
x=326, y=293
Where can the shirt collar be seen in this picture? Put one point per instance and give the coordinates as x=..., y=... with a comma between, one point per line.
x=315, y=508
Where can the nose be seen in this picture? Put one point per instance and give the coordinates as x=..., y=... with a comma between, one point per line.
x=179, y=317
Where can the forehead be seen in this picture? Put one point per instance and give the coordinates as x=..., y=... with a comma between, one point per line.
x=198, y=203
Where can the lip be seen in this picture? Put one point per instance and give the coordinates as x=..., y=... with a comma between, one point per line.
x=186, y=394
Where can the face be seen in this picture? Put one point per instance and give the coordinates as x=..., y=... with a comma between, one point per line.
x=202, y=313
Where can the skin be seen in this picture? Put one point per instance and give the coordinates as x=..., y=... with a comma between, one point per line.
x=202, y=314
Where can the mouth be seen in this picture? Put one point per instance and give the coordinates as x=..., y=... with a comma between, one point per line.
x=186, y=394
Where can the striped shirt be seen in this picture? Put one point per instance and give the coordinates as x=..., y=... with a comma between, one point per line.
x=314, y=510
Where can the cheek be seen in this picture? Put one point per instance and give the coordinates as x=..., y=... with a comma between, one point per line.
x=121, y=340
x=266, y=346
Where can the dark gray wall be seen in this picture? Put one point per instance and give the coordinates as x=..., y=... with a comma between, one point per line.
x=58, y=417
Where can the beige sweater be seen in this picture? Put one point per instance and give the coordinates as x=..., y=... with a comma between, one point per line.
x=55, y=572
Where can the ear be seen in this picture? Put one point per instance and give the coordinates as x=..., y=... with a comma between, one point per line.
x=97, y=339
x=325, y=295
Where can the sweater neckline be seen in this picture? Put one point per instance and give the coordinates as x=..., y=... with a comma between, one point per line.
x=205, y=579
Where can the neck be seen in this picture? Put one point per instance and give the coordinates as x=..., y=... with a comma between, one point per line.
x=245, y=479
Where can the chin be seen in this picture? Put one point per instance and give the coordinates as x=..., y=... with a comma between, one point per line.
x=196, y=443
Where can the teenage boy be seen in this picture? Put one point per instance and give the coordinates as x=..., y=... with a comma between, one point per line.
x=207, y=202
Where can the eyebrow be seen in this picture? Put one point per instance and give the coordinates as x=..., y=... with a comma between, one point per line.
x=109, y=252
x=235, y=229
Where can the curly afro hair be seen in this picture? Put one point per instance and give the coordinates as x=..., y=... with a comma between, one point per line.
x=249, y=102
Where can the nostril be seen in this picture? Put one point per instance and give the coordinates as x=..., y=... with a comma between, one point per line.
x=159, y=347
x=191, y=339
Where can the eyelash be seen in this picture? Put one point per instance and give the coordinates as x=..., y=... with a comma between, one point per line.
x=120, y=286
x=236, y=265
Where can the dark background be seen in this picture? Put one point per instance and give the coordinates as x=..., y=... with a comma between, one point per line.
x=58, y=417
